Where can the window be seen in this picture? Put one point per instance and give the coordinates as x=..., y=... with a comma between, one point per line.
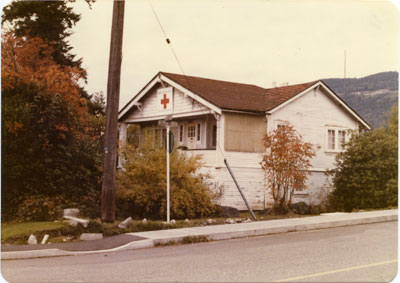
x=280, y=125
x=335, y=139
x=342, y=139
x=191, y=131
x=198, y=132
x=331, y=139
x=181, y=133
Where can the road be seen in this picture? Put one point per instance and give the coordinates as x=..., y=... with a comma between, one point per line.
x=362, y=253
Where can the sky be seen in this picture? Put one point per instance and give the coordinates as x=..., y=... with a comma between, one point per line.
x=263, y=42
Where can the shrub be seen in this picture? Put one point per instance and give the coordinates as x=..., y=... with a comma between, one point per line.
x=39, y=208
x=141, y=188
x=366, y=173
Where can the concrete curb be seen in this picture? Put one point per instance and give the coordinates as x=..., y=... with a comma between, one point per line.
x=224, y=232
x=249, y=231
x=141, y=244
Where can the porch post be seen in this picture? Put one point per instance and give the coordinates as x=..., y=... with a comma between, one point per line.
x=220, y=150
x=122, y=143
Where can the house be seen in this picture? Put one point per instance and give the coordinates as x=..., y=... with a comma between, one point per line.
x=220, y=119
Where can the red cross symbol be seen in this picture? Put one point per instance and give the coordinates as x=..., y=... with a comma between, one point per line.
x=165, y=101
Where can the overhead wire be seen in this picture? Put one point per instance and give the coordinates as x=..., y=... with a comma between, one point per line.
x=169, y=43
x=177, y=59
x=187, y=81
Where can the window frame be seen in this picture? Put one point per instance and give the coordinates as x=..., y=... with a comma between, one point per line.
x=198, y=133
x=181, y=133
x=337, y=145
x=280, y=123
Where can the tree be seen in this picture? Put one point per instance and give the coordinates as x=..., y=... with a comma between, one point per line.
x=50, y=141
x=366, y=174
x=286, y=163
x=50, y=20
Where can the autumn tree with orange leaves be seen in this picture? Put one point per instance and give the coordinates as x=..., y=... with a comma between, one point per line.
x=286, y=162
x=51, y=147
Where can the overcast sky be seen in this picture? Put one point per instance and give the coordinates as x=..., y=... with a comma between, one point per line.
x=255, y=42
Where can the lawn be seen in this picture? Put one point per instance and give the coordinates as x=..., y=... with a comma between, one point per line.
x=18, y=233
x=14, y=231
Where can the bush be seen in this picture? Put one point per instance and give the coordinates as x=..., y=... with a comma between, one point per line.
x=39, y=208
x=366, y=173
x=141, y=188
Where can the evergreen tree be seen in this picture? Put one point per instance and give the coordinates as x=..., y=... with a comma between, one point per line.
x=49, y=20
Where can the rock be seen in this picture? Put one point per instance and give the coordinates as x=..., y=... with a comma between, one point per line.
x=238, y=220
x=230, y=221
x=74, y=212
x=210, y=221
x=91, y=236
x=300, y=208
x=124, y=224
x=71, y=222
x=83, y=222
x=228, y=211
x=32, y=240
x=187, y=220
x=144, y=221
x=45, y=238
x=248, y=220
x=173, y=221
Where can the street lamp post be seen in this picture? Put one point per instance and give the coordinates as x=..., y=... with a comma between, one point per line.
x=168, y=123
x=168, y=173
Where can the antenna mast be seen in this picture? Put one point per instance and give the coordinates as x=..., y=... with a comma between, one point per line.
x=344, y=81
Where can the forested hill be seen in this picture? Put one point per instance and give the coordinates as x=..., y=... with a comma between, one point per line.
x=371, y=96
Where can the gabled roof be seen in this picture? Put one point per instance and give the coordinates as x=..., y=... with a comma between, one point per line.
x=223, y=95
x=237, y=96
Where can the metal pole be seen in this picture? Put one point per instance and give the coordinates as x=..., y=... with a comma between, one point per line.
x=168, y=216
x=239, y=189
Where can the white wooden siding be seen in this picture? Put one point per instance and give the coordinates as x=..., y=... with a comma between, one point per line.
x=252, y=183
x=181, y=104
x=310, y=115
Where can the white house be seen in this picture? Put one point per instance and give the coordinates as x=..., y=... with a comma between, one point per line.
x=220, y=119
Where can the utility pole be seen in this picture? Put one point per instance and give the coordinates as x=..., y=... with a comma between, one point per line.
x=111, y=135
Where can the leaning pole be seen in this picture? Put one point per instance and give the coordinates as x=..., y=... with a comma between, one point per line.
x=111, y=134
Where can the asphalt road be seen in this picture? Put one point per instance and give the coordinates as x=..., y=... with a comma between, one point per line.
x=362, y=253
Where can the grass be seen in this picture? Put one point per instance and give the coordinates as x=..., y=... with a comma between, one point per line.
x=14, y=231
x=18, y=233
x=184, y=241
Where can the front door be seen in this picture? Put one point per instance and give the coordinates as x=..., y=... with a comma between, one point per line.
x=191, y=136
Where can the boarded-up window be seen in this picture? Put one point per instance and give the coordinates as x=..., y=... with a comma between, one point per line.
x=244, y=132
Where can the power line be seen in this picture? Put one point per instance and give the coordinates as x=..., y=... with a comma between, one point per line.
x=169, y=43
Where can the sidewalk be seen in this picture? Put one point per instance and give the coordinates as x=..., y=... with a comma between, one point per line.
x=149, y=239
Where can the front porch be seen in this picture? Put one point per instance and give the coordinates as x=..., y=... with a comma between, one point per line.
x=198, y=134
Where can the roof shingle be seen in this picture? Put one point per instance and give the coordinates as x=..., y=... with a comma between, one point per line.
x=237, y=96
